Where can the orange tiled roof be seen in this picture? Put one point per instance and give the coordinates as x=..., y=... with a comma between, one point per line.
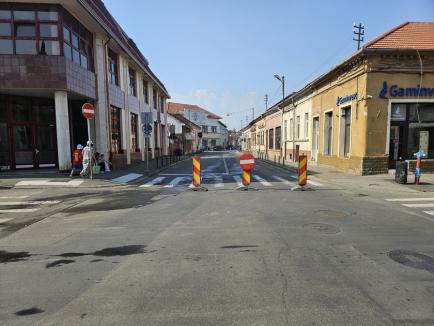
x=175, y=108
x=408, y=35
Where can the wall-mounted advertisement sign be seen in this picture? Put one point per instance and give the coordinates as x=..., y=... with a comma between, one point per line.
x=398, y=112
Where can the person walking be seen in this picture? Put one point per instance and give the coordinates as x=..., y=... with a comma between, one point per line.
x=87, y=156
x=77, y=159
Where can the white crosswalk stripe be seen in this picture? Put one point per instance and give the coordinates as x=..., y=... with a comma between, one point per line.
x=289, y=183
x=415, y=203
x=176, y=182
x=35, y=205
x=218, y=181
x=153, y=182
x=262, y=180
x=127, y=178
x=238, y=180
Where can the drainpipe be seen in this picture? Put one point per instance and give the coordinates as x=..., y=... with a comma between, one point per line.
x=108, y=119
x=293, y=130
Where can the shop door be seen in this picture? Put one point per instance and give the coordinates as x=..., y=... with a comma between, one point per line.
x=45, y=152
x=315, y=139
x=394, y=146
x=23, y=142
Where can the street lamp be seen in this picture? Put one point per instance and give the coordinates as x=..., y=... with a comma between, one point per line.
x=282, y=81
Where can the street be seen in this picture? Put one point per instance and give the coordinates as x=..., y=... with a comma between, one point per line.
x=151, y=251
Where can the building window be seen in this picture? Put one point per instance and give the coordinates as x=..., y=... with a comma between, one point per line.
x=162, y=104
x=115, y=123
x=278, y=137
x=285, y=132
x=113, y=67
x=328, y=133
x=145, y=91
x=214, y=129
x=297, y=130
x=270, y=138
x=132, y=82
x=346, y=119
x=77, y=42
x=154, y=98
x=134, y=144
x=306, y=125
x=205, y=129
x=29, y=29
x=291, y=127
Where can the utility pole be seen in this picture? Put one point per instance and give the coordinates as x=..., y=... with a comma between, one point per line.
x=359, y=32
x=266, y=101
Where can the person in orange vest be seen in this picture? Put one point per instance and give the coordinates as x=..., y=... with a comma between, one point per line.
x=77, y=160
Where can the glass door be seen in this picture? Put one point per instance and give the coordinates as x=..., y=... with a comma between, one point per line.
x=45, y=151
x=315, y=139
x=23, y=146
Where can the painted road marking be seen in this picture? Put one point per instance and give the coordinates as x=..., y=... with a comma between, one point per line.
x=313, y=183
x=410, y=199
x=175, y=174
x=226, y=166
x=13, y=197
x=4, y=220
x=71, y=183
x=18, y=210
x=429, y=212
x=218, y=181
x=238, y=180
x=127, y=178
x=283, y=180
x=262, y=180
x=419, y=205
x=153, y=182
x=14, y=203
x=175, y=182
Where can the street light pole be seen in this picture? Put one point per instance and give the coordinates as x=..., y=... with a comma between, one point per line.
x=282, y=80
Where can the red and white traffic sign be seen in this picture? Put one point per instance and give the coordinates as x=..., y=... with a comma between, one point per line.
x=88, y=111
x=247, y=161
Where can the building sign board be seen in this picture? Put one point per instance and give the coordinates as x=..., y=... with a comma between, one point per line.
x=345, y=99
x=396, y=91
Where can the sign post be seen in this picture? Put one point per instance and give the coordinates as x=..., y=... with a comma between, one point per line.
x=88, y=111
x=146, y=119
x=247, y=163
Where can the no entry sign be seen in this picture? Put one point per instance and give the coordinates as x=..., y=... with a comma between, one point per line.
x=88, y=111
x=247, y=161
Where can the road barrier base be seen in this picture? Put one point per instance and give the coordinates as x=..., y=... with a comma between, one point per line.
x=302, y=188
x=246, y=188
x=200, y=188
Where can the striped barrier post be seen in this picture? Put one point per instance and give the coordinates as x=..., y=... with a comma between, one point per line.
x=196, y=171
x=246, y=177
x=302, y=170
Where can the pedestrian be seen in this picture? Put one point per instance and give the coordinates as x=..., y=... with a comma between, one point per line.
x=77, y=159
x=87, y=156
x=104, y=164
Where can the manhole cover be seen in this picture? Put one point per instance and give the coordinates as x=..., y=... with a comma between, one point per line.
x=413, y=259
x=323, y=228
x=331, y=213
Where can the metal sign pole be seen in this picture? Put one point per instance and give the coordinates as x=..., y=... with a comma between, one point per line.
x=88, y=137
x=147, y=153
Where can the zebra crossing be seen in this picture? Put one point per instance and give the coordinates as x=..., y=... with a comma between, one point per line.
x=415, y=203
x=220, y=181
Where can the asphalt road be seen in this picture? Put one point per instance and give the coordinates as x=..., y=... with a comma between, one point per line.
x=155, y=253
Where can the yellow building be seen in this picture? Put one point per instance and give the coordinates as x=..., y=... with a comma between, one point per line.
x=377, y=106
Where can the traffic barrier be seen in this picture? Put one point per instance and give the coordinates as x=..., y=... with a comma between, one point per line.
x=196, y=171
x=246, y=177
x=302, y=170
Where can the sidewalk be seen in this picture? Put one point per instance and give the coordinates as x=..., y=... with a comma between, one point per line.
x=384, y=183
x=51, y=177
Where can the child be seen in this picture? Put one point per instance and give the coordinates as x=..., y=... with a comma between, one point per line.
x=104, y=165
x=77, y=159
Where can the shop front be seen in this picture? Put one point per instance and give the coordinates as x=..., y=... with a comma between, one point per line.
x=28, y=136
x=411, y=129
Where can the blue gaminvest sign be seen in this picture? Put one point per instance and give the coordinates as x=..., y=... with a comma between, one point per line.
x=396, y=91
x=345, y=99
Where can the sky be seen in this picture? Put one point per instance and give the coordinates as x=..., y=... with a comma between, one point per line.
x=222, y=54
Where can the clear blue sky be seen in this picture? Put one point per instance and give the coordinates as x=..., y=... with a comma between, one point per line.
x=222, y=55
